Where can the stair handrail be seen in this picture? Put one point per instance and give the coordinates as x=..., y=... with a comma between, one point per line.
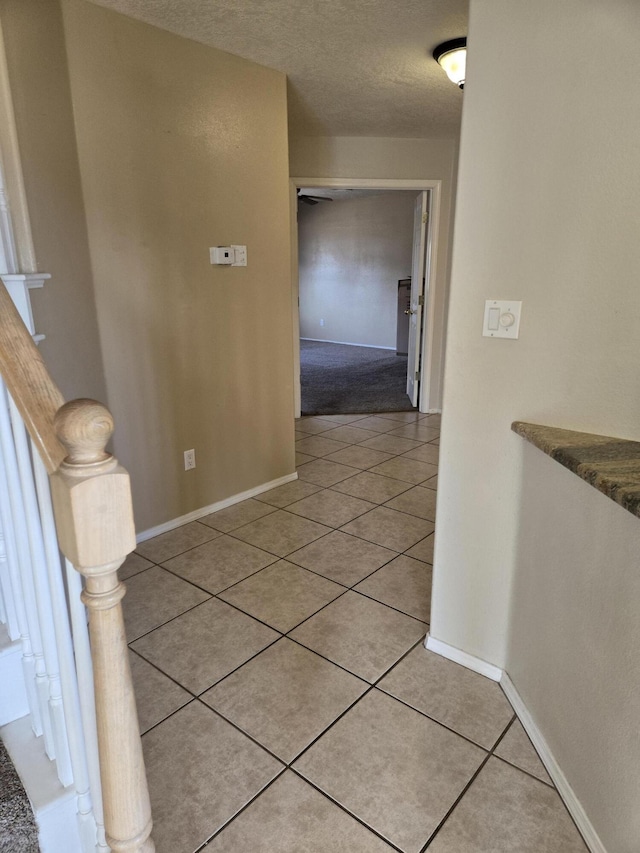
x=94, y=519
x=34, y=392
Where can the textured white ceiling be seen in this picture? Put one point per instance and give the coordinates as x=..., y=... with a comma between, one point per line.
x=355, y=67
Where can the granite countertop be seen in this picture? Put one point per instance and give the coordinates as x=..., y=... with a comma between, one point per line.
x=611, y=465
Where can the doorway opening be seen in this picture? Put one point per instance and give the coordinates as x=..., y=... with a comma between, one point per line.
x=363, y=287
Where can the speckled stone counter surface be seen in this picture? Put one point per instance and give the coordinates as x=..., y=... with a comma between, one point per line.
x=611, y=465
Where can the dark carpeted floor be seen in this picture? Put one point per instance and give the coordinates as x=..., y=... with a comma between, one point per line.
x=18, y=833
x=338, y=379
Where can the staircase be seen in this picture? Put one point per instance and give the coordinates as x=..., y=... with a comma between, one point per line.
x=67, y=710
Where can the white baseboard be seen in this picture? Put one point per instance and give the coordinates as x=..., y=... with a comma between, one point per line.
x=458, y=656
x=346, y=343
x=565, y=790
x=55, y=808
x=207, y=510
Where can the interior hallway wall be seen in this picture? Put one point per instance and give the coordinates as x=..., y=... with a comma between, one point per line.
x=400, y=159
x=533, y=570
x=183, y=147
x=351, y=254
x=64, y=310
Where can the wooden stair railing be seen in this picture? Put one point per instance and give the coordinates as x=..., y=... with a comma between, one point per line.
x=94, y=519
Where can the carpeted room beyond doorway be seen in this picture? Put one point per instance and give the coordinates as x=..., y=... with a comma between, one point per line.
x=343, y=379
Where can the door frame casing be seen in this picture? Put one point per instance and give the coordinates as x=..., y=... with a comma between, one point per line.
x=17, y=251
x=428, y=361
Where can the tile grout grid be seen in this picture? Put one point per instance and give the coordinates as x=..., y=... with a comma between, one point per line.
x=320, y=655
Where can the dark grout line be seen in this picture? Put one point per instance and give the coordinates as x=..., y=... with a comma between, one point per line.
x=369, y=686
x=429, y=717
x=315, y=612
x=172, y=619
x=551, y=785
x=400, y=659
x=368, y=575
x=503, y=733
x=390, y=606
x=243, y=732
x=526, y=772
x=202, y=692
x=466, y=787
x=355, y=817
x=190, y=548
x=453, y=807
x=350, y=672
x=141, y=572
x=218, y=592
x=240, y=665
x=173, y=713
x=328, y=660
x=233, y=817
x=330, y=726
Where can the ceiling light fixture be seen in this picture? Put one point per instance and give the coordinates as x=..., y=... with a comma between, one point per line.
x=452, y=56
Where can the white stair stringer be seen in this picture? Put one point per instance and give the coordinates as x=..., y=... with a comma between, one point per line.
x=54, y=806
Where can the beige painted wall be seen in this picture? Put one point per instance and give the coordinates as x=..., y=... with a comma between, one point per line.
x=575, y=635
x=547, y=211
x=352, y=253
x=65, y=309
x=183, y=147
x=401, y=159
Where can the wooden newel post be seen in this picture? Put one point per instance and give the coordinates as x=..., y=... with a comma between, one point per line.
x=94, y=518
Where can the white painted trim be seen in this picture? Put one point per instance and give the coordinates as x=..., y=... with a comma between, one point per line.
x=8, y=253
x=347, y=343
x=366, y=183
x=428, y=325
x=14, y=702
x=435, y=187
x=295, y=300
x=19, y=286
x=11, y=166
x=565, y=790
x=463, y=658
x=207, y=510
x=55, y=808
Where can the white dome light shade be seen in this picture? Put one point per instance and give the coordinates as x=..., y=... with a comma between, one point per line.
x=452, y=56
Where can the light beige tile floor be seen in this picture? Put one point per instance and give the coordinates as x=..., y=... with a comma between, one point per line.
x=285, y=697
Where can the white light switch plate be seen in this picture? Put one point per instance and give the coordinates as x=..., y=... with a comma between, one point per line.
x=501, y=318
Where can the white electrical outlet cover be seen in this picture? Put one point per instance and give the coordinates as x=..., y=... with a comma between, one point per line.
x=240, y=256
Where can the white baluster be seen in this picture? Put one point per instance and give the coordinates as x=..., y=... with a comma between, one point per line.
x=13, y=522
x=3, y=592
x=60, y=746
x=7, y=596
x=73, y=718
x=84, y=668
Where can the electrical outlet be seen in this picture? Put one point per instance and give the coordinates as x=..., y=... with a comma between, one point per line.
x=189, y=459
x=322, y=322
x=240, y=256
